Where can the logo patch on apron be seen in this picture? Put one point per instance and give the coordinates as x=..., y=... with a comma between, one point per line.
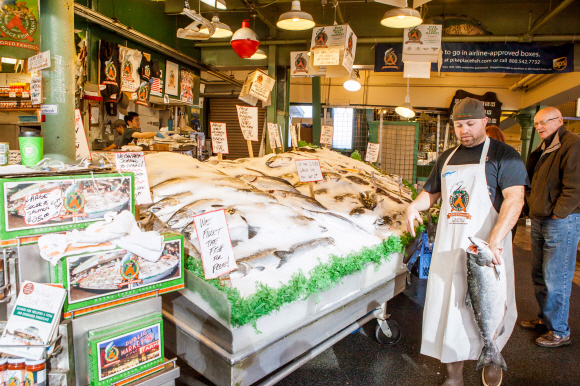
x=459, y=200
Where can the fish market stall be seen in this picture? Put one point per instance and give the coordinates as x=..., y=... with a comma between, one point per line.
x=310, y=268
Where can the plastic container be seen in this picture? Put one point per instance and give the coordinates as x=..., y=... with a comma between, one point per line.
x=35, y=373
x=3, y=367
x=31, y=147
x=14, y=373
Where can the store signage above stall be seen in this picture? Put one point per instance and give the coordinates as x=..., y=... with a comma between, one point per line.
x=490, y=102
x=516, y=58
x=422, y=43
x=19, y=29
x=325, y=41
x=258, y=85
x=39, y=62
x=248, y=118
x=299, y=64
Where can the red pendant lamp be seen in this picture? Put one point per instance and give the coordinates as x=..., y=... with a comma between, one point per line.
x=245, y=41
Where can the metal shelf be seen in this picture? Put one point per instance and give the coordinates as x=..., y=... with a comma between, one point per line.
x=22, y=109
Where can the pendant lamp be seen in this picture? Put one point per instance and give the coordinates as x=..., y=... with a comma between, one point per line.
x=259, y=55
x=219, y=4
x=245, y=42
x=222, y=30
x=295, y=20
x=406, y=110
x=402, y=18
x=352, y=84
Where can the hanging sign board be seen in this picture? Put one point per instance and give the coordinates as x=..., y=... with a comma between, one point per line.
x=323, y=44
x=372, y=154
x=422, y=43
x=258, y=85
x=81, y=144
x=127, y=162
x=326, y=135
x=309, y=170
x=299, y=63
x=293, y=136
x=216, y=250
x=248, y=118
x=417, y=70
x=219, y=138
x=39, y=62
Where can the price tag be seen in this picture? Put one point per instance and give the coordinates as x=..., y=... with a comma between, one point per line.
x=219, y=138
x=326, y=135
x=248, y=118
x=12, y=94
x=217, y=254
x=293, y=136
x=42, y=207
x=135, y=163
x=309, y=170
x=274, y=136
x=372, y=154
x=25, y=94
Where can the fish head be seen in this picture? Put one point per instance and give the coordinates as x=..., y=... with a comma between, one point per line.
x=247, y=178
x=167, y=202
x=480, y=252
x=180, y=219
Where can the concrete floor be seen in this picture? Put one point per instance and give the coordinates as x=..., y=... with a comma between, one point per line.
x=358, y=360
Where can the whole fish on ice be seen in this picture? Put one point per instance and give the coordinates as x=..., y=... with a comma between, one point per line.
x=487, y=295
x=278, y=161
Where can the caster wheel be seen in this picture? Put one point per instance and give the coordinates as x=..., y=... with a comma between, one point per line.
x=395, y=330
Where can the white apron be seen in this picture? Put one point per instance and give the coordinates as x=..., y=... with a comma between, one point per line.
x=450, y=332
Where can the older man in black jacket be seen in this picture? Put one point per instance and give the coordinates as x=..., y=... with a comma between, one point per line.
x=554, y=207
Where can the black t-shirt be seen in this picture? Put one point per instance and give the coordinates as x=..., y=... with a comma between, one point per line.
x=126, y=137
x=503, y=168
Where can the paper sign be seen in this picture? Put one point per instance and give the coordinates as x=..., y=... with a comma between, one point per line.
x=309, y=170
x=42, y=207
x=274, y=136
x=25, y=94
x=372, y=154
x=12, y=94
x=400, y=182
x=293, y=136
x=39, y=62
x=417, y=70
x=217, y=254
x=36, y=88
x=82, y=144
x=127, y=162
x=219, y=138
x=260, y=92
x=422, y=43
x=248, y=118
x=49, y=109
x=299, y=61
x=326, y=57
x=326, y=135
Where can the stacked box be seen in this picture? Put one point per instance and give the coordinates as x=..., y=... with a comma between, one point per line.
x=125, y=350
x=98, y=280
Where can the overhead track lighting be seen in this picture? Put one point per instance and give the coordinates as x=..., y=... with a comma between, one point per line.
x=295, y=20
x=352, y=84
x=406, y=110
x=222, y=30
x=259, y=55
x=402, y=18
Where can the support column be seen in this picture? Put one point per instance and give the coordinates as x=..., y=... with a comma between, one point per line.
x=316, y=110
x=57, y=35
x=526, y=122
x=271, y=110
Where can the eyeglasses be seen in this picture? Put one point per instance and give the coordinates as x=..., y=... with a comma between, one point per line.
x=543, y=123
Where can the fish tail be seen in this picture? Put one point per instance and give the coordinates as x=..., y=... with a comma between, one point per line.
x=491, y=355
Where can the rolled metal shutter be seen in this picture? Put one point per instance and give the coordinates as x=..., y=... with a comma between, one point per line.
x=225, y=111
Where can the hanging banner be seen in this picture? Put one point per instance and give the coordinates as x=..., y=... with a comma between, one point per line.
x=299, y=61
x=219, y=138
x=248, y=118
x=171, y=75
x=187, y=86
x=82, y=145
x=490, y=102
x=516, y=58
x=422, y=43
x=19, y=30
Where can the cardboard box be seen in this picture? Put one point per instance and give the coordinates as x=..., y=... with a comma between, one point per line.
x=100, y=280
x=257, y=86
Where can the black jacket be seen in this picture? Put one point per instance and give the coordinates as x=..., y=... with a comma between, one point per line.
x=555, y=177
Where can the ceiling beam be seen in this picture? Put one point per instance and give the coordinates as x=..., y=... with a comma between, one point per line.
x=252, y=7
x=528, y=35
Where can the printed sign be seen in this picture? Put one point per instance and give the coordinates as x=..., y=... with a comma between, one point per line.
x=187, y=86
x=422, y=43
x=339, y=37
x=18, y=27
x=171, y=77
x=25, y=94
x=82, y=145
x=135, y=163
x=326, y=56
x=372, y=154
x=49, y=109
x=293, y=136
x=42, y=207
x=219, y=138
x=299, y=61
x=217, y=254
x=274, y=136
x=326, y=135
x=12, y=94
x=39, y=62
x=36, y=88
x=248, y=118
x=309, y=170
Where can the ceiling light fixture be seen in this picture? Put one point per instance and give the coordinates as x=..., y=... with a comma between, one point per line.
x=245, y=41
x=352, y=84
x=219, y=4
x=222, y=30
x=406, y=110
x=259, y=55
x=9, y=60
x=402, y=18
x=295, y=20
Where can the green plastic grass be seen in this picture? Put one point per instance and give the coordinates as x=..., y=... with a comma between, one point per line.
x=356, y=155
x=265, y=300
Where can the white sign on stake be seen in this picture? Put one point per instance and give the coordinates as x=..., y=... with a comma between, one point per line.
x=39, y=62
x=326, y=135
x=219, y=138
x=82, y=145
x=274, y=135
x=248, y=118
x=36, y=88
x=400, y=182
x=128, y=162
x=293, y=137
x=309, y=170
x=217, y=254
x=372, y=154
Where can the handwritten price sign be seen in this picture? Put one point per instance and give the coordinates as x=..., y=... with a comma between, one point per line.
x=248, y=118
x=219, y=138
x=274, y=136
x=82, y=144
x=217, y=254
x=372, y=152
x=326, y=135
x=293, y=136
x=42, y=207
x=135, y=163
x=309, y=170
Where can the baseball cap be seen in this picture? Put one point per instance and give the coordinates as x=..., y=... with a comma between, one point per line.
x=119, y=122
x=468, y=108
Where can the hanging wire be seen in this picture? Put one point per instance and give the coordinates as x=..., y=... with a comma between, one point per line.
x=266, y=5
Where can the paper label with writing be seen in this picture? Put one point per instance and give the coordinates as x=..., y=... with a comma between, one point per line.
x=25, y=94
x=82, y=145
x=36, y=88
x=372, y=154
x=12, y=94
x=326, y=135
x=326, y=56
x=400, y=182
x=293, y=136
x=128, y=162
x=309, y=170
x=248, y=118
x=260, y=92
x=42, y=207
x=39, y=62
x=272, y=130
x=49, y=109
x=219, y=138
x=217, y=254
